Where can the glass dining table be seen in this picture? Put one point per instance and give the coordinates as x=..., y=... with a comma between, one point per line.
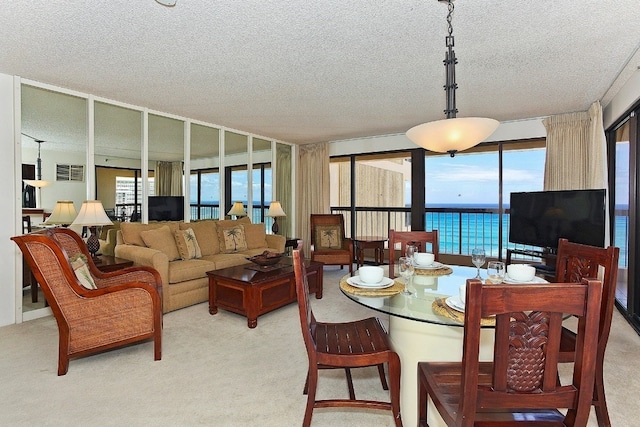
x=423, y=326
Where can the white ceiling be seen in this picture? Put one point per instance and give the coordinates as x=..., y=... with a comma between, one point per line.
x=306, y=71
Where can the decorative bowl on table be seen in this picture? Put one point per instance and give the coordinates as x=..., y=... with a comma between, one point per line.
x=266, y=258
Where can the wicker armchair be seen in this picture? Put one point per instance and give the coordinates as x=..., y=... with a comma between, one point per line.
x=121, y=311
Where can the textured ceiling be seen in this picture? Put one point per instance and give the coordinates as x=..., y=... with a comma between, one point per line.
x=302, y=71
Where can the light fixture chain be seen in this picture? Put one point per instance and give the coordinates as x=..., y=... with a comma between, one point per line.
x=450, y=17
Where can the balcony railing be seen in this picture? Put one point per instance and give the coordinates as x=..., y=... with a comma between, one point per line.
x=460, y=229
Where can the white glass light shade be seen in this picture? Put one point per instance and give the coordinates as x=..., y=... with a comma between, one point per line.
x=63, y=213
x=92, y=213
x=275, y=210
x=452, y=135
x=237, y=209
x=38, y=183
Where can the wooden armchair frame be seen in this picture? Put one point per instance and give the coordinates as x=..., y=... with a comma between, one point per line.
x=120, y=312
x=343, y=255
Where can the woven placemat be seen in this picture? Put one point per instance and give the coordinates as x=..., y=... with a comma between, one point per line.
x=396, y=288
x=434, y=272
x=440, y=307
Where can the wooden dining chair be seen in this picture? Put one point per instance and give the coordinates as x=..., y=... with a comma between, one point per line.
x=427, y=241
x=520, y=385
x=574, y=263
x=93, y=316
x=328, y=242
x=357, y=344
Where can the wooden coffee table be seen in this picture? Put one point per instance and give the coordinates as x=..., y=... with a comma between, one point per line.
x=251, y=293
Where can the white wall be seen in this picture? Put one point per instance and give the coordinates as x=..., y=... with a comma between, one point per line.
x=9, y=252
x=624, y=99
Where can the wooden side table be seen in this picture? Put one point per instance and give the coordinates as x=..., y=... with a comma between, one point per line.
x=369, y=242
x=106, y=263
x=290, y=244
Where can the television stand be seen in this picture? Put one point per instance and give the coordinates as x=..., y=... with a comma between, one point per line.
x=547, y=268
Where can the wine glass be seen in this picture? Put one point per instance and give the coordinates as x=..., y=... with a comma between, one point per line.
x=410, y=250
x=405, y=265
x=478, y=257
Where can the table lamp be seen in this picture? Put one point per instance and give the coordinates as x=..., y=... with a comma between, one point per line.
x=237, y=209
x=275, y=211
x=63, y=213
x=91, y=215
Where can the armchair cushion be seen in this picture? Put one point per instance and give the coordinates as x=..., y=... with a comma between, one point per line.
x=162, y=240
x=255, y=235
x=187, y=244
x=328, y=237
x=232, y=239
x=81, y=269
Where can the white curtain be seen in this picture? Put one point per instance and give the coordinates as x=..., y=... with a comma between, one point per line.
x=313, y=188
x=576, y=157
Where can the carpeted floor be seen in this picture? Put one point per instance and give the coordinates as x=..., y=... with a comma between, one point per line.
x=216, y=372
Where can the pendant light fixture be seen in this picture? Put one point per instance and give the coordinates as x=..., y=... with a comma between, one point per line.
x=452, y=134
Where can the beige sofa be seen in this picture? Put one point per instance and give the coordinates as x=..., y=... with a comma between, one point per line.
x=182, y=257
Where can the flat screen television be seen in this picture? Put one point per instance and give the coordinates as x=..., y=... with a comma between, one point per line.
x=166, y=208
x=540, y=218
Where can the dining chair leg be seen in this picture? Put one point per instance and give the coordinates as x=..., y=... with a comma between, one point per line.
x=383, y=377
x=599, y=399
x=312, y=380
x=352, y=393
x=394, y=379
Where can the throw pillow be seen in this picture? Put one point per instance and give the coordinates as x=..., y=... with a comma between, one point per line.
x=206, y=234
x=255, y=235
x=187, y=244
x=161, y=239
x=232, y=239
x=328, y=237
x=81, y=269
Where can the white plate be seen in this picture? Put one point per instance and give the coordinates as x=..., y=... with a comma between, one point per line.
x=433, y=266
x=384, y=283
x=455, y=302
x=535, y=279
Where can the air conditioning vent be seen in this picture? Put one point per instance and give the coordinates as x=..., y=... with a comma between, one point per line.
x=70, y=173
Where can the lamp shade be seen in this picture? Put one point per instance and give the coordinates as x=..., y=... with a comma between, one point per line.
x=63, y=213
x=92, y=213
x=452, y=135
x=38, y=183
x=237, y=209
x=275, y=210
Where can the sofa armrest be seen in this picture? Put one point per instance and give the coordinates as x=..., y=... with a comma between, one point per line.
x=145, y=256
x=276, y=241
x=108, y=246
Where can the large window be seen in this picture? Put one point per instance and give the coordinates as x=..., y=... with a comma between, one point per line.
x=467, y=196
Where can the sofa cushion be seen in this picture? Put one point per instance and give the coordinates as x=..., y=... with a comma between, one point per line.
x=328, y=237
x=207, y=234
x=187, y=244
x=230, y=222
x=130, y=231
x=162, y=240
x=190, y=269
x=255, y=235
x=232, y=239
x=228, y=260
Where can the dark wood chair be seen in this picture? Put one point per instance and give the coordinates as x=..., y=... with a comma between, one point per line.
x=427, y=241
x=356, y=344
x=328, y=242
x=117, y=313
x=520, y=386
x=574, y=263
